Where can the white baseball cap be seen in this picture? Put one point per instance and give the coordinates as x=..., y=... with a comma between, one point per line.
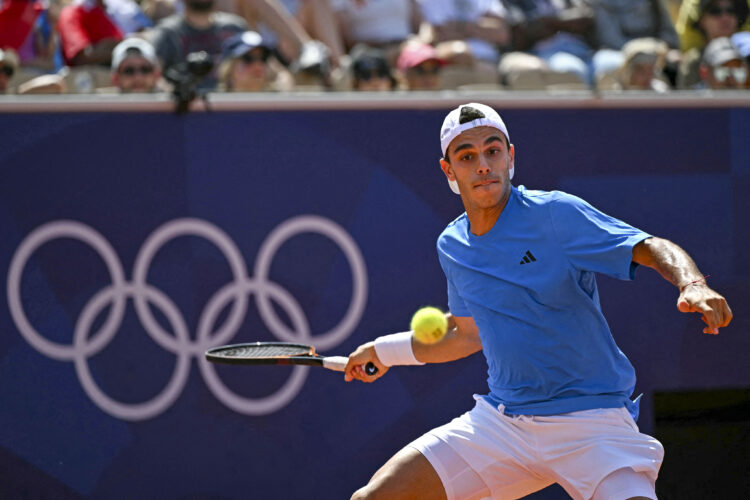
x=465, y=117
x=133, y=47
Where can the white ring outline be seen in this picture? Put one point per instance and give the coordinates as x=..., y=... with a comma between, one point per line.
x=180, y=343
x=41, y=235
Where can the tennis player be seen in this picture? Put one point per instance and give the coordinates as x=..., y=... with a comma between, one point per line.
x=520, y=268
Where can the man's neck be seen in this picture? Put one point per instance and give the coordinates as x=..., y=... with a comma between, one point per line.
x=482, y=220
x=199, y=20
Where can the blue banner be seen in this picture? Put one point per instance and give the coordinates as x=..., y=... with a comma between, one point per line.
x=131, y=242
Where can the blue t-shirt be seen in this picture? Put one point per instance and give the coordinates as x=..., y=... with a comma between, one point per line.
x=529, y=285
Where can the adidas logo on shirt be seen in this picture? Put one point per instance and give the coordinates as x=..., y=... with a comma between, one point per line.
x=528, y=258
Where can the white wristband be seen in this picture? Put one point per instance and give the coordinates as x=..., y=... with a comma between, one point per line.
x=395, y=349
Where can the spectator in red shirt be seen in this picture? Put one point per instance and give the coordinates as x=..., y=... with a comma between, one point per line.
x=87, y=34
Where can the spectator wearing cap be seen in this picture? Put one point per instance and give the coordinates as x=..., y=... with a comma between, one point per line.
x=198, y=29
x=87, y=33
x=8, y=67
x=370, y=70
x=643, y=63
x=710, y=19
x=723, y=67
x=248, y=65
x=135, y=67
x=420, y=65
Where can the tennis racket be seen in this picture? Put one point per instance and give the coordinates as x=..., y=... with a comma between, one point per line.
x=278, y=353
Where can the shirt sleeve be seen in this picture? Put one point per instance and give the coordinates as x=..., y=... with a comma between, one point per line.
x=592, y=240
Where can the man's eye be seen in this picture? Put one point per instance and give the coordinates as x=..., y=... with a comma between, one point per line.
x=466, y=157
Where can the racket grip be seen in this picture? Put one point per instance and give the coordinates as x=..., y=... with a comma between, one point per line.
x=338, y=363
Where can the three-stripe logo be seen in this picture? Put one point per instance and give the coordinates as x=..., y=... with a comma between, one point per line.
x=528, y=258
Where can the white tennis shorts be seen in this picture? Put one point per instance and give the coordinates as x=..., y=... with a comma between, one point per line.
x=592, y=454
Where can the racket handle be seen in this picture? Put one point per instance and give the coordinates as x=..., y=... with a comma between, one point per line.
x=338, y=363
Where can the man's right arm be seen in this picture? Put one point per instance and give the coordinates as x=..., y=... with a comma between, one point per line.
x=461, y=340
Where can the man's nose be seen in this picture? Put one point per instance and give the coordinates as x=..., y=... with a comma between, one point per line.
x=483, y=167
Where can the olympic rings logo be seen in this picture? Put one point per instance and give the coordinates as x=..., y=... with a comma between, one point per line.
x=87, y=344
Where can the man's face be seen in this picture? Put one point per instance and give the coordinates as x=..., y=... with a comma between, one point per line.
x=136, y=74
x=6, y=73
x=480, y=163
x=730, y=75
x=719, y=20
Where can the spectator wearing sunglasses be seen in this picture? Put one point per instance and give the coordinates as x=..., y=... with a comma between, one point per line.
x=723, y=67
x=700, y=22
x=420, y=66
x=135, y=67
x=248, y=65
x=696, y=33
x=370, y=70
x=8, y=67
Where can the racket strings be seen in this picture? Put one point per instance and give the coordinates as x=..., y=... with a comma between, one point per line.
x=264, y=351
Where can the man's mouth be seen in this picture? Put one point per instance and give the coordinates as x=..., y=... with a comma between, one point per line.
x=486, y=182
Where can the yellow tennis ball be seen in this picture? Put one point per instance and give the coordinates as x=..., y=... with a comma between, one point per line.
x=429, y=325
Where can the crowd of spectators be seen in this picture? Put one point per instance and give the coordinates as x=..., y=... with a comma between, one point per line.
x=127, y=46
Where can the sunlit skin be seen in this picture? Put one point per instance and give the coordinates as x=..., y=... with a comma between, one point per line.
x=480, y=163
x=715, y=26
x=138, y=82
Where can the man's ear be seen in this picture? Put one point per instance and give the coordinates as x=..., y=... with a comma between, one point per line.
x=447, y=169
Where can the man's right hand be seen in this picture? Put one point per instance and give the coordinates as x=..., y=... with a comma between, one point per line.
x=358, y=359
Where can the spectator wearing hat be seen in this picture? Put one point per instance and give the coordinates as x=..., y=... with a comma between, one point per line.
x=710, y=19
x=135, y=67
x=198, y=29
x=370, y=70
x=248, y=65
x=87, y=33
x=8, y=67
x=723, y=67
x=420, y=65
x=643, y=63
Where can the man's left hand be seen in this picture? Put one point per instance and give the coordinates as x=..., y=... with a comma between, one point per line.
x=702, y=299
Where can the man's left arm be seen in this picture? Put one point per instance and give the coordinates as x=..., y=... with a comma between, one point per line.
x=676, y=266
